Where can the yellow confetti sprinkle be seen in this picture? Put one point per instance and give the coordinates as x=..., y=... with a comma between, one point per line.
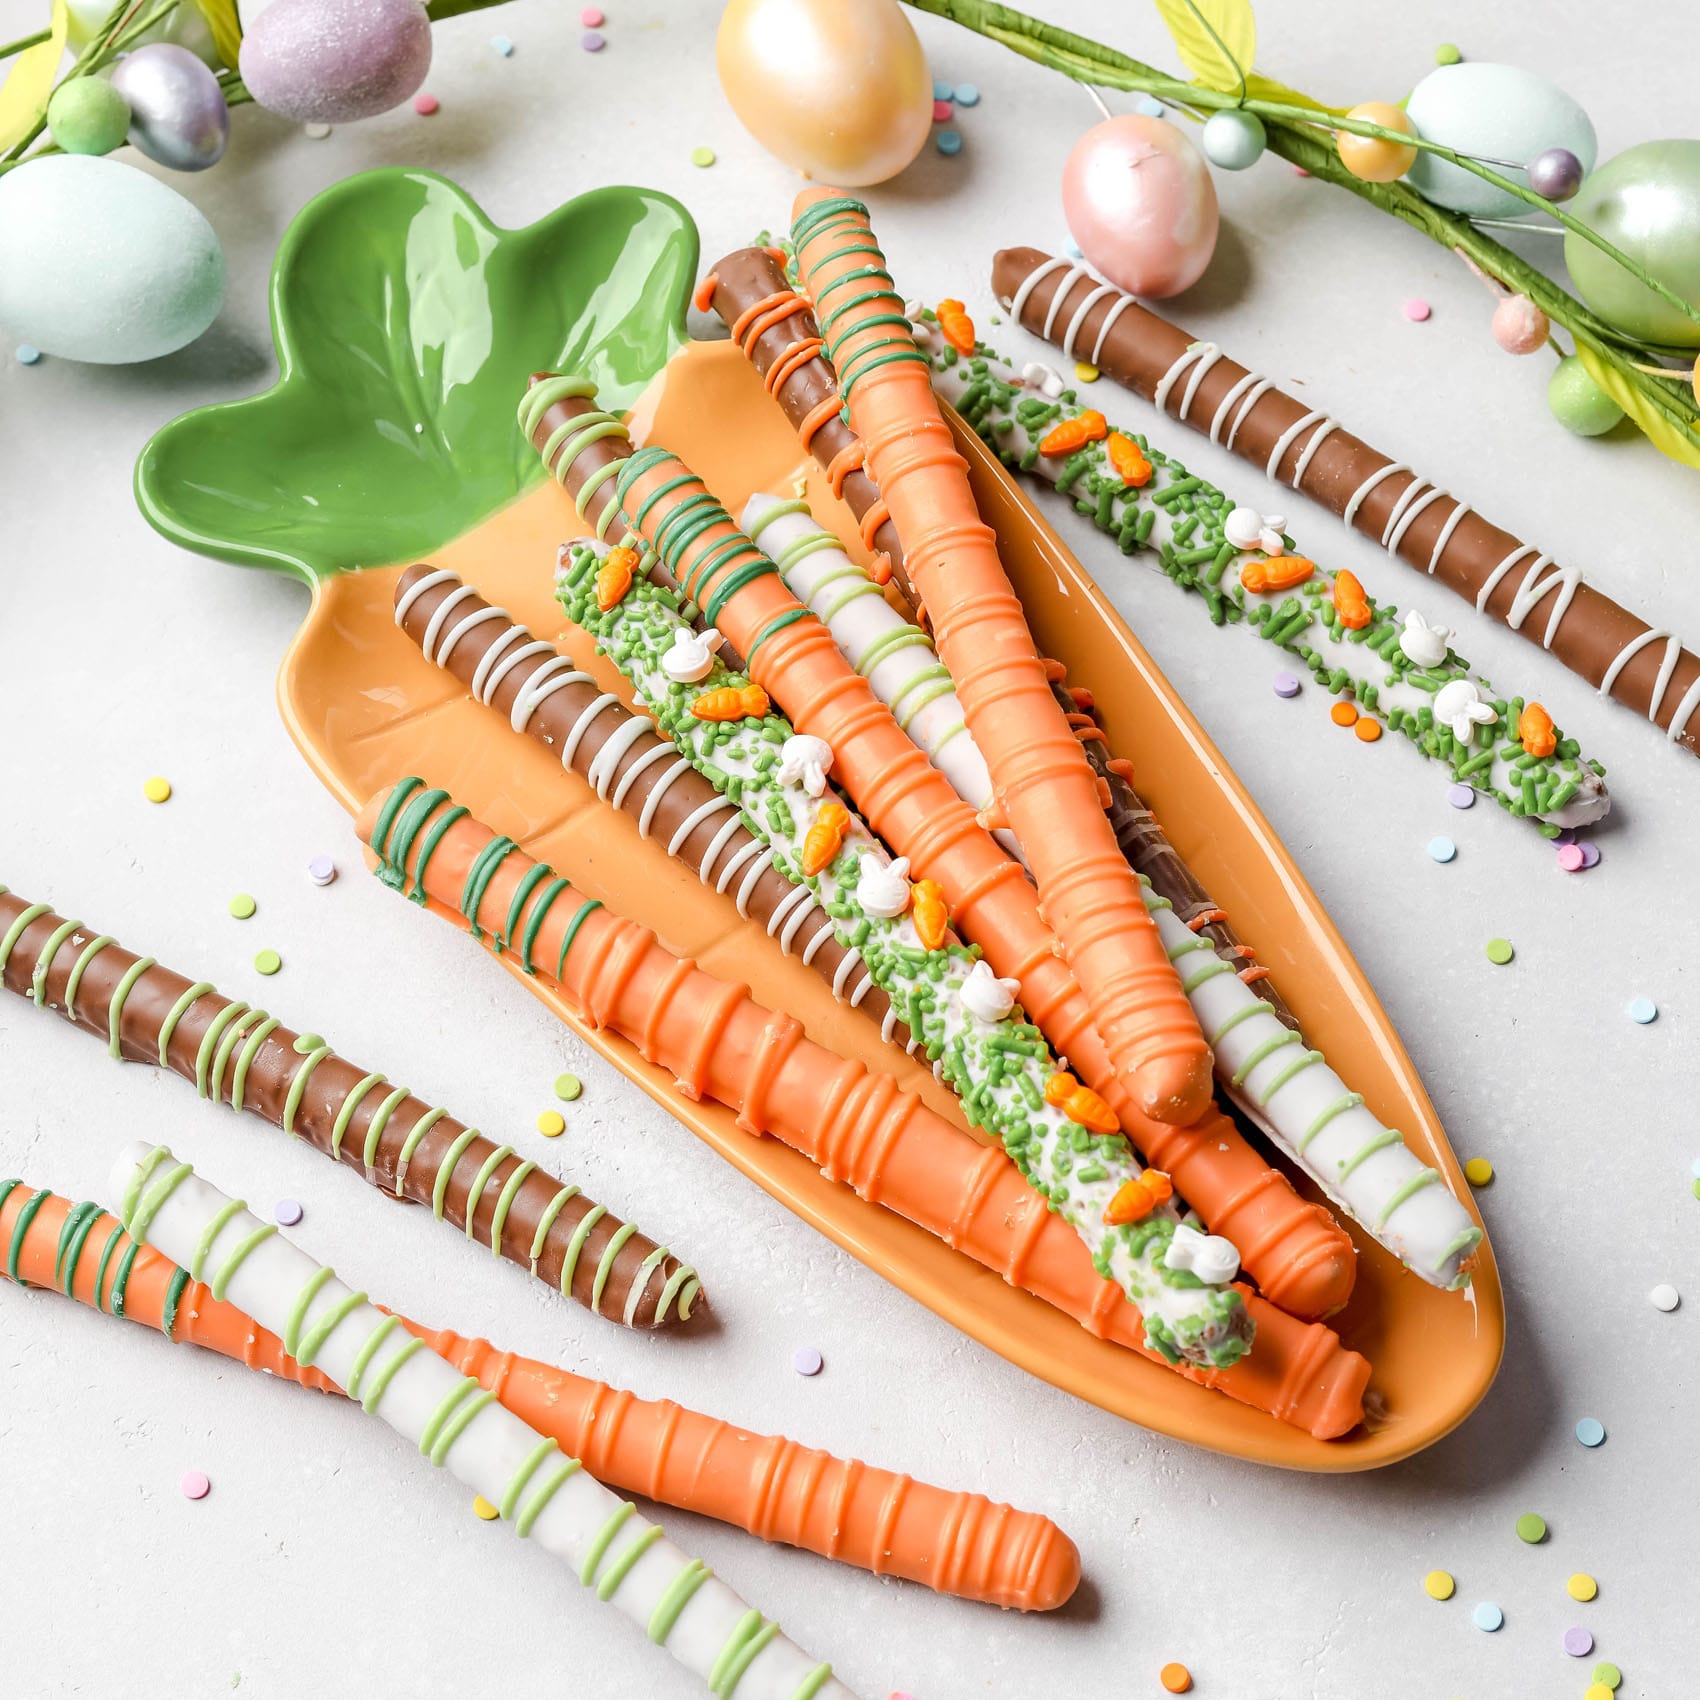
x=156, y=790
x=1438, y=1585
x=1582, y=1586
x=1086, y=372
x=481, y=1507
x=1597, y=1691
x=1478, y=1171
x=551, y=1124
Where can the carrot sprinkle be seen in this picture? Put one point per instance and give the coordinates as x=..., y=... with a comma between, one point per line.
x=931, y=912
x=1127, y=460
x=614, y=577
x=1080, y=1103
x=1135, y=1199
x=731, y=702
x=1536, y=731
x=1285, y=572
x=1069, y=436
x=1350, y=602
x=823, y=840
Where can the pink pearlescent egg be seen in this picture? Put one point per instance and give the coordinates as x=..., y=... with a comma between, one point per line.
x=1140, y=204
x=332, y=61
x=1519, y=326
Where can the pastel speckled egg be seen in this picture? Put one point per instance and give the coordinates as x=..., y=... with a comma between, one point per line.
x=101, y=262
x=1501, y=111
x=331, y=61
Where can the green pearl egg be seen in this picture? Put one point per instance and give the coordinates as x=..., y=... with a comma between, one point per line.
x=1578, y=403
x=88, y=115
x=1646, y=202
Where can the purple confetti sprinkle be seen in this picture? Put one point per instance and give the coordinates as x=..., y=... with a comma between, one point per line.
x=1566, y=835
x=321, y=870
x=1286, y=684
x=288, y=1212
x=1578, y=1643
x=592, y=41
x=1461, y=796
x=806, y=1360
x=1590, y=855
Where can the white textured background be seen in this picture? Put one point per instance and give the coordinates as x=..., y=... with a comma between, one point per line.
x=328, y=1560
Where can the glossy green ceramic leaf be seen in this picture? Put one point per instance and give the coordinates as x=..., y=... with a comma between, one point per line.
x=406, y=324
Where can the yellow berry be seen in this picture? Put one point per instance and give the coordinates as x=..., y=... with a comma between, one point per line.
x=1371, y=158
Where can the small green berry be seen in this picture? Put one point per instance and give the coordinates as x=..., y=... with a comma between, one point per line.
x=88, y=115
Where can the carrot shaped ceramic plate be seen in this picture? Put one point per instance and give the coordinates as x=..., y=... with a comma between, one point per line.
x=406, y=325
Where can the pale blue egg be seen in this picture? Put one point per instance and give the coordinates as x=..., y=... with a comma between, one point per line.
x=101, y=262
x=1501, y=111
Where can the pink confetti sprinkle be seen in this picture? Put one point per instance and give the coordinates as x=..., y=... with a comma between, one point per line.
x=941, y=111
x=1571, y=859
x=426, y=104
x=195, y=1485
x=1416, y=309
x=591, y=17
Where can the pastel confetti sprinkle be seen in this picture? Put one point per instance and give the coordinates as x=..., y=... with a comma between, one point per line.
x=1488, y=1617
x=806, y=1360
x=1571, y=859
x=1499, y=951
x=426, y=105
x=1597, y=1691
x=551, y=1124
x=242, y=906
x=268, y=962
x=941, y=89
x=1344, y=714
x=1176, y=1678
x=568, y=1087
x=1591, y=1432
x=1442, y=849
x=156, y=790
x=592, y=41
x=1085, y=372
x=1416, y=310
x=504, y=46
x=1582, y=1587
x=1565, y=835
x=195, y=1484
x=702, y=157
x=1461, y=796
x=1642, y=1010
x=1590, y=855
x=967, y=95
x=1286, y=684
x=1367, y=730
x=1578, y=1643
x=1607, y=1675
x=321, y=870
x=28, y=354
x=286, y=1212
x=1150, y=106
x=1531, y=1528
x=1447, y=54
x=1664, y=1297
x=483, y=1509
x=942, y=110
x=949, y=142
x=1479, y=1172
x=316, y=131
x=1439, y=1585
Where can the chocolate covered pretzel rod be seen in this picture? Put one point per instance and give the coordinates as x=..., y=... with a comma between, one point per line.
x=629, y=765
x=1644, y=668
x=249, y=1060
x=774, y=327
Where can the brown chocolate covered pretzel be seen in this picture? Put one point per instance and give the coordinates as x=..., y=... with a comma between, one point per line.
x=1644, y=668
x=249, y=1060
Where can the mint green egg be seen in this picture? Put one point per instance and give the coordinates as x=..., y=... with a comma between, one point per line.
x=88, y=115
x=1499, y=111
x=101, y=262
x=1577, y=401
x=1646, y=202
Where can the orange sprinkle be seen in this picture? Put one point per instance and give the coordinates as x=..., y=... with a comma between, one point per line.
x=1069, y=436
x=614, y=577
x=958, y=328
x=1127, y=460
x=732, y=702
x=823, y=840
x=703, y=299
x=1135, y=1199
x=1083, y=1106
x=1536, y=731
x=1368, y=729
x=931, y=913
x=1282, y=573
x=1176, y=1678
x=1350, y=602
x=1344, y=714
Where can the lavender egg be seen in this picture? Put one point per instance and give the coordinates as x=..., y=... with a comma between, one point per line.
x=177, y=112
x=330, y=61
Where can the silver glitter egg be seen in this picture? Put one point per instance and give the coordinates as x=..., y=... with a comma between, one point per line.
x=177, y=113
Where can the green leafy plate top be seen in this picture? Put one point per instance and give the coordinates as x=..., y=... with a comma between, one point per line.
x=406, y=325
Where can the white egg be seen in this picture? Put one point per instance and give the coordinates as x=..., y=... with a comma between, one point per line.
x=1500, y=111
x=101, y=262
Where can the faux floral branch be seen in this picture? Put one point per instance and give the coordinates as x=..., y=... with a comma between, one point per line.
x=1216, y=41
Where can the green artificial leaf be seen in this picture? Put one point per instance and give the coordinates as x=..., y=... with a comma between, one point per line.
x=226, y=28
x=1669, y=436
x=406, y=325
x=1260, y=87
x=26, y=87
x=1216, y=39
